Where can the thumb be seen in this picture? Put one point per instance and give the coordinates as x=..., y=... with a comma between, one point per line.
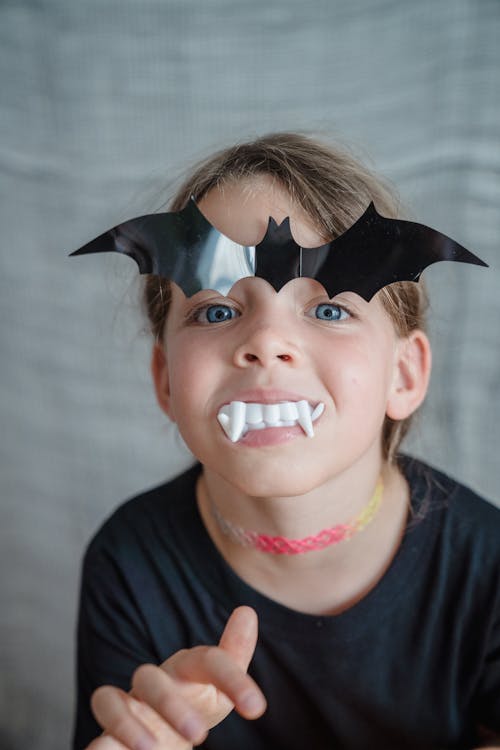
x=239, y=638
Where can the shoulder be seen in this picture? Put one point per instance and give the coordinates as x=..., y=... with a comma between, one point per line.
x=441, y=490
x=465, y=522
x=145, y=517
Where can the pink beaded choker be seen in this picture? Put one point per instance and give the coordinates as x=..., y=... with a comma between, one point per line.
x=280, y=545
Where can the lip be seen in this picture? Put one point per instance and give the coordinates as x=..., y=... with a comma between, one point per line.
x=243, y=434
x=267, y=396
x=270, y=436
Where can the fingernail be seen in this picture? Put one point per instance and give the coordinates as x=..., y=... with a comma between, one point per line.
x=252, y=703
x=192, y=728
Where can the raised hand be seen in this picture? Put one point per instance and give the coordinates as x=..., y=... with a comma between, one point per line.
x=172, y=707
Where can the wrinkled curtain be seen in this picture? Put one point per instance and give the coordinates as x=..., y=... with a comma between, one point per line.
x=102, y=106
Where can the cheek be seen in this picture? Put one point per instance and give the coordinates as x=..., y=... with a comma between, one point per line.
x=346, y=364
x=358, y=374
x=182, y=381
x=192, y=378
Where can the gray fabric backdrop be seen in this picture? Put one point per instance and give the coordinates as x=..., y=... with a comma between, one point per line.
x=102, y=104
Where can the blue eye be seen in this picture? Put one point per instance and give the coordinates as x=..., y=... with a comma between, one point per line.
x=218, y=313
x=328, y=311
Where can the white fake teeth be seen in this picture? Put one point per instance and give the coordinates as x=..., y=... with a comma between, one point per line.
x=238, y=417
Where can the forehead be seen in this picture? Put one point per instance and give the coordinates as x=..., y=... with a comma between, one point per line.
x=241, y=210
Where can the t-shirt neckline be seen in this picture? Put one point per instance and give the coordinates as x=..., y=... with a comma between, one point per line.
x=230, y=590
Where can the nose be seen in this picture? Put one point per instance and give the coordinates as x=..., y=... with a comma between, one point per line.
x=265, y=346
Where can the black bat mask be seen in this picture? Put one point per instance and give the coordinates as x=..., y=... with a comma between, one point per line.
x=184, y=247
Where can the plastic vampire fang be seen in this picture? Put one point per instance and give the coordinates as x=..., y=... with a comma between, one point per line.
x=238, y=417
x=184, y=247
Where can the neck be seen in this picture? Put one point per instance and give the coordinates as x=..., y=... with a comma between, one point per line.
x=356, y=566
x=344, y=499
x=281, y=545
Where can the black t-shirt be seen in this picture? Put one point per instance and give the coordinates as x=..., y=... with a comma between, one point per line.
x=414, y=664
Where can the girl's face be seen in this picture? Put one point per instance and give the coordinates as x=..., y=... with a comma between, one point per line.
x=260, y=346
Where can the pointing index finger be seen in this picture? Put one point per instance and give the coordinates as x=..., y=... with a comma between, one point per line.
x=239, y=638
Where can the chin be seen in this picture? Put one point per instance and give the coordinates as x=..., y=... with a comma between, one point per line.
x=273, y=479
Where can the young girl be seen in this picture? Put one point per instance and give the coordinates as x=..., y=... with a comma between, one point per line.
x=303, y=585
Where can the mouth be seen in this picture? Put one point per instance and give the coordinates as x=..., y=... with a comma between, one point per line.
x=240, y=417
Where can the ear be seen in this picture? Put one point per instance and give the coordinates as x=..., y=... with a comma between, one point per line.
x=159, y=371
x=412, y=369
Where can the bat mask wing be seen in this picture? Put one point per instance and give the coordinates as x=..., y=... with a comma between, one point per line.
x=184, y=247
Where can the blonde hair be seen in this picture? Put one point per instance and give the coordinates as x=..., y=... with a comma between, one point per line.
x=334, y=189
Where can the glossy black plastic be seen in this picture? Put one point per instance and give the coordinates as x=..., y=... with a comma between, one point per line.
x=184, y=247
